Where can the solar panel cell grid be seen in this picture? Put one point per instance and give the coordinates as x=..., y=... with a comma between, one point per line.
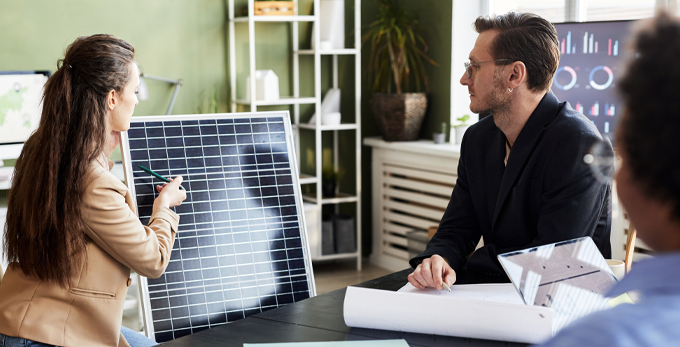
x=238, y=250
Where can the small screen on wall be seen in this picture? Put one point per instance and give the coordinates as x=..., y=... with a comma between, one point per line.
x=592, y=55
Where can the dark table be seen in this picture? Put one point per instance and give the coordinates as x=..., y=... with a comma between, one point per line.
x=318, y=319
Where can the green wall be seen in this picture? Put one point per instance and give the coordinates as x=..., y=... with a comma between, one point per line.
x=434, y=17
x=172, y=38
x=188, y=39
x=435, y=24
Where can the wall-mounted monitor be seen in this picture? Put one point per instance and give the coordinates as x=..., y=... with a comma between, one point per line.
x=20, y=108
x=591, y=62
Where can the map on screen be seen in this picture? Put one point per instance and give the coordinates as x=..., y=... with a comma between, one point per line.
x=20, y=108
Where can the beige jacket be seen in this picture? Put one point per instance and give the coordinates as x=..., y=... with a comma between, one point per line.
x=90, y=312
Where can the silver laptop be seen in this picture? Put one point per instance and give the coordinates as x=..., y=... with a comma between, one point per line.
x=569, y=276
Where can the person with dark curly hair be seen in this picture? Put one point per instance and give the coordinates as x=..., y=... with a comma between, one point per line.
x=648, y=184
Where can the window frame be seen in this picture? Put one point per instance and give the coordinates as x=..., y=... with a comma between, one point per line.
x=576, y=10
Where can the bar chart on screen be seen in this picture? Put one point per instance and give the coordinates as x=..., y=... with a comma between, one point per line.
x=589, y=68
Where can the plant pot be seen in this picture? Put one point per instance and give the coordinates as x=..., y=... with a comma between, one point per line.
x=327, y=236
x=439, y=138
x=343, y=231
x=460, y=131
x=328, y=190
x=399, y=116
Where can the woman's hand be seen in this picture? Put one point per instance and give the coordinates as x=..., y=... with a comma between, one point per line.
x=170, y=194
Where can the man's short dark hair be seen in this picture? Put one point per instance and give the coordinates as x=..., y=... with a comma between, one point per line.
x=650, y=126
x=528, y=38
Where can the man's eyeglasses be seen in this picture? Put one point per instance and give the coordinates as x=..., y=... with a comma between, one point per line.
x=468, y=65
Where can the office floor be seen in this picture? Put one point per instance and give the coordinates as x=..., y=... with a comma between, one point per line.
x=335, y=275
x=328, y=277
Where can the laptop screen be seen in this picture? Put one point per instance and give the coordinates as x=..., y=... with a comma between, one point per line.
x=569, y=276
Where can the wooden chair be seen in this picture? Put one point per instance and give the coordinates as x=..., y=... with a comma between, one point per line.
x=630, y=247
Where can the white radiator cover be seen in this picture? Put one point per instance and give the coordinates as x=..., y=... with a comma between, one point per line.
x=412, y=185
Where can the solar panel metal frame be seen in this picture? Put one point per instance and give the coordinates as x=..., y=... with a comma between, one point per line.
x=129, y=180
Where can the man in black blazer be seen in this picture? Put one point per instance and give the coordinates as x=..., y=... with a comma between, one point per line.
x=522, y=180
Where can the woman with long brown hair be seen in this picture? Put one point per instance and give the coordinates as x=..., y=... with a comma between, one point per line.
x=71, y=237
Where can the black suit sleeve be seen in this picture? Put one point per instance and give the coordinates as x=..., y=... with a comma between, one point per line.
x=459, y=231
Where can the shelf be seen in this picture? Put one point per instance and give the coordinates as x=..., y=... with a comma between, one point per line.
x=336, y=256
x=344, y=126
x=284, y=100
x=307, y=179
x=302, y=62
x=340, y=198
x=341, y=51
x=276, y=19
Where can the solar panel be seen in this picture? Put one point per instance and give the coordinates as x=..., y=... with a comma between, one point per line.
x=241, y=247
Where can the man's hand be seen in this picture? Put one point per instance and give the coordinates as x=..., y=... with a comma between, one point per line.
x=431, y=272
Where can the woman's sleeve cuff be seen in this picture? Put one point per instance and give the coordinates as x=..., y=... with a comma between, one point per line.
x=167, y=215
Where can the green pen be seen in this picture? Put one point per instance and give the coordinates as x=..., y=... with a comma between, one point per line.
x=156, y=175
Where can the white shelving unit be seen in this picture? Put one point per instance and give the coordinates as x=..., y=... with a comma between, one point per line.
x=296, y=100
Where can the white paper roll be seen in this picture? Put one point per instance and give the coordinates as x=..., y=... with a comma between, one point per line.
x=449, y=316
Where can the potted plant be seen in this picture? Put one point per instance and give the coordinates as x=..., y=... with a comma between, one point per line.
x=396, y=60
x=329, y=180
x=440, y=138
x=461, y=127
